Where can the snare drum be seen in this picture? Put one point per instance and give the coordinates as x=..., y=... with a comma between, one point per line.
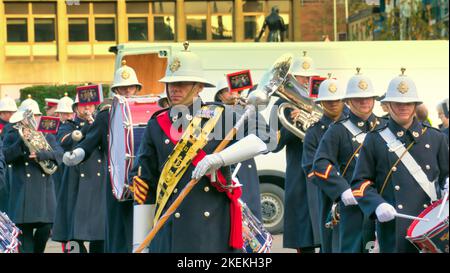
x=128, y=119
x=256, y=238
x=432, y=236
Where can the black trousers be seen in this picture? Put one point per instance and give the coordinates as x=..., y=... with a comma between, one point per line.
x=34, y=237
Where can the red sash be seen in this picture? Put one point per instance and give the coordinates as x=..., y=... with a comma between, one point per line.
x=236, y=240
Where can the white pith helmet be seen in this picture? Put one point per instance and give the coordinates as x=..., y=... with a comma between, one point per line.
x=402, y=89
x=330, y=90
x=7, y=104
x=125, y=76
x=360, y=86
x=304, y=66
x=65, y=105
x=185, y=66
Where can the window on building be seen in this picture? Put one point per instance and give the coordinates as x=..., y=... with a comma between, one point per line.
x=16, y=8
x=16, y=30
x=105, y=29
x=44, y=8
x=164, y=28
x=254, y=14
x=284, y=7
x=137, y=29
x=196, y=19
x=221, y=20
x=44, y=30
x=82, y=8
x=105, y=8
x=78, y=30
x=137, y=8
x=105, y=24
x=163, y=20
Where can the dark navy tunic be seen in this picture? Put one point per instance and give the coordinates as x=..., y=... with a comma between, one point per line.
x=202, y=221
x=429, y=150
x=81, y=205
x=333, y=155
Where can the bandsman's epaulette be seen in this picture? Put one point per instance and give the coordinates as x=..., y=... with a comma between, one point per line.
x=380, y=127
x=425, y=124
x=105, y=107
x=214, y=103
x=342, y=119
x=159, y=112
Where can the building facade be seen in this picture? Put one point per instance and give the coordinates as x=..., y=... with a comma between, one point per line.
x=67, y=41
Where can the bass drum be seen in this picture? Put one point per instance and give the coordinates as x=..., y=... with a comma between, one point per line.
x=128, y=119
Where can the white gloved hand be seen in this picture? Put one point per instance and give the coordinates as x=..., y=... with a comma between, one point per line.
x=445, y=189
x=208, y=164
x=348, y=198
x=385, y=212
x=73, y=158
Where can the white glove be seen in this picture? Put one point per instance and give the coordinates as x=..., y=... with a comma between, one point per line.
x=73, y=158
x=348, y=198
x=208, y=164
x=445, y=189
x=385, y=212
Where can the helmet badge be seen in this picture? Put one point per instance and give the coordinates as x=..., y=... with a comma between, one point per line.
x=403, y=87
x=175, y=65
x=332, y=88
x=363, y=85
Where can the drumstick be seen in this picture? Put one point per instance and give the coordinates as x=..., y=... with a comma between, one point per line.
x=401, y=215
x=444, y=200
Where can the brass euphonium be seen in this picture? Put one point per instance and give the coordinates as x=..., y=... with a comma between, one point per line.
x=278, y=81
x=310, y=113
x=35, y=141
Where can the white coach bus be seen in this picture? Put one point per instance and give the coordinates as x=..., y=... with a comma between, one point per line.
x=426, y=62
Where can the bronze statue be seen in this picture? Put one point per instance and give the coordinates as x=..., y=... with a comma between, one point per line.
x=276, y=27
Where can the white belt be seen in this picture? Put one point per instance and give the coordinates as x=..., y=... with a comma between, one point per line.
x=408, y=161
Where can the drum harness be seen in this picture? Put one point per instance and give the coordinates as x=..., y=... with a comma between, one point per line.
x=396, y=146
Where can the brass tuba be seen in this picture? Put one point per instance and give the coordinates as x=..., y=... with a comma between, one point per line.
x=310, y=113
x=36, y=141
x=278, y=81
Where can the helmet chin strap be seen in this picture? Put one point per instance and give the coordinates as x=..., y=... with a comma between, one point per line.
x=332, y=114
x=395, y=116
x=187, y=100
x=356, y=111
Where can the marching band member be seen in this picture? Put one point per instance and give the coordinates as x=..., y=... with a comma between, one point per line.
x=80, y=211
x=247, y=173
x=119, y=215
x=7, y=108
x=32, y=196
x=208, y=220
x=330, y=98
x=65, y=113
x=399, y=168
x=64, y=108
x=301, y=229
x=442, y=110
x=50, y=107
x=335, y=161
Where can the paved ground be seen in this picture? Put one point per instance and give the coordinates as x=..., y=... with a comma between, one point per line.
x=54, y=247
